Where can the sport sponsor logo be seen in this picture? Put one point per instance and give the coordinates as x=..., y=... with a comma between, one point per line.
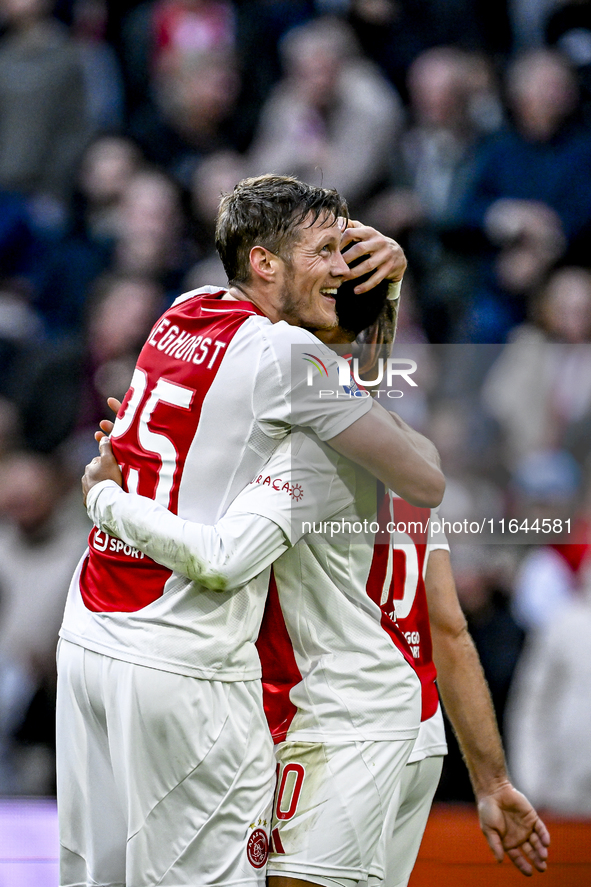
x=103, y=542
x=277, y=483
x=413, y=639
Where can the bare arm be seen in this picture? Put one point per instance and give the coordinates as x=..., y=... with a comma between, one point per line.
x=422, y=444
x=400, y=457
x=509, y=822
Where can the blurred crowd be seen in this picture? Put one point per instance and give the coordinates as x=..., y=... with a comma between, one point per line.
x=459, y=127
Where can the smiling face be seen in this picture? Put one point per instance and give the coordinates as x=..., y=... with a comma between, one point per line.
x=311, y=275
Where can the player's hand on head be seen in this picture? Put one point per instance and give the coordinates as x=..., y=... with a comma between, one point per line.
x=385, y=257
x=103, y=467
x=511, y=825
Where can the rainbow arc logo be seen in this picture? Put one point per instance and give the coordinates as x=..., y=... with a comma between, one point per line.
x=316, y=363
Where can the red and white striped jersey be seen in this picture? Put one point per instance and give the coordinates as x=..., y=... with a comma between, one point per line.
x=215, y=389
x=397, y=582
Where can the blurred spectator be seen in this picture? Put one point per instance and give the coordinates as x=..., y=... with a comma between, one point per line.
x=108, y=164
x=408, y=328
x=155, y=28
x=69, y=263
x=42, y=536
x=217, y=175
x=528, y=18
x=530, y=194
x=484, y=574
x=184, y=109
x=453, y=100
x=333, y=118
x=547, y=485
x=61, y=388
x=395, y=32
x=568, y=28
x=43, y=108
x=260, y=27
x=152, y=239
x=469, y=460
x=433, y=149
x=102, y=74
x=195, y=98
x=549, y=714
x=191, y=27
x=541, y=383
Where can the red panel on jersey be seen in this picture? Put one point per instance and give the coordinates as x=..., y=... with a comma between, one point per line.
x=157, y=423
x=106, y=587
x=280, y=670
x=411, y=634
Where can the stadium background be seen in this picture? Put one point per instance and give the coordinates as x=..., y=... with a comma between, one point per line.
x=461, y=128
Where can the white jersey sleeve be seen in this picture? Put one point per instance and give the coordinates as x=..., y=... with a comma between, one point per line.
x=301, y=382
x=293, y=489
x=220, y=557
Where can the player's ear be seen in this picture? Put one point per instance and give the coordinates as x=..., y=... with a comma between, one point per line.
x=264, y=264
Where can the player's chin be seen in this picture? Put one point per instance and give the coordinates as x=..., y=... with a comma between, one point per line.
x=326, y=315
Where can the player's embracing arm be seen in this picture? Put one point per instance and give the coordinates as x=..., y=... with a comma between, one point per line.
x=404, y=460
x=226, y=556
x=259, y=526
x=508, y=820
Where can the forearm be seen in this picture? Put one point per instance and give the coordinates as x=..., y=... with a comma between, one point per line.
x=393, y=457
x=220, y=557
x=460, y=679
x=466, y=697
x=424, y=447
x=508, y=821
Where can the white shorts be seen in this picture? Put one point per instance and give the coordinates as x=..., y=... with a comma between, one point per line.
x=330, y=807
x=162, y=779
x=405, y=823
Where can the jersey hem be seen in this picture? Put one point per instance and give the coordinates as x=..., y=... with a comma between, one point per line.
x=352, y=735
x=159, y=665
x=275, y=866
x=432, y=751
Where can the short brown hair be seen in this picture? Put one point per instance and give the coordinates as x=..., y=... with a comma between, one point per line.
x=268, y=211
